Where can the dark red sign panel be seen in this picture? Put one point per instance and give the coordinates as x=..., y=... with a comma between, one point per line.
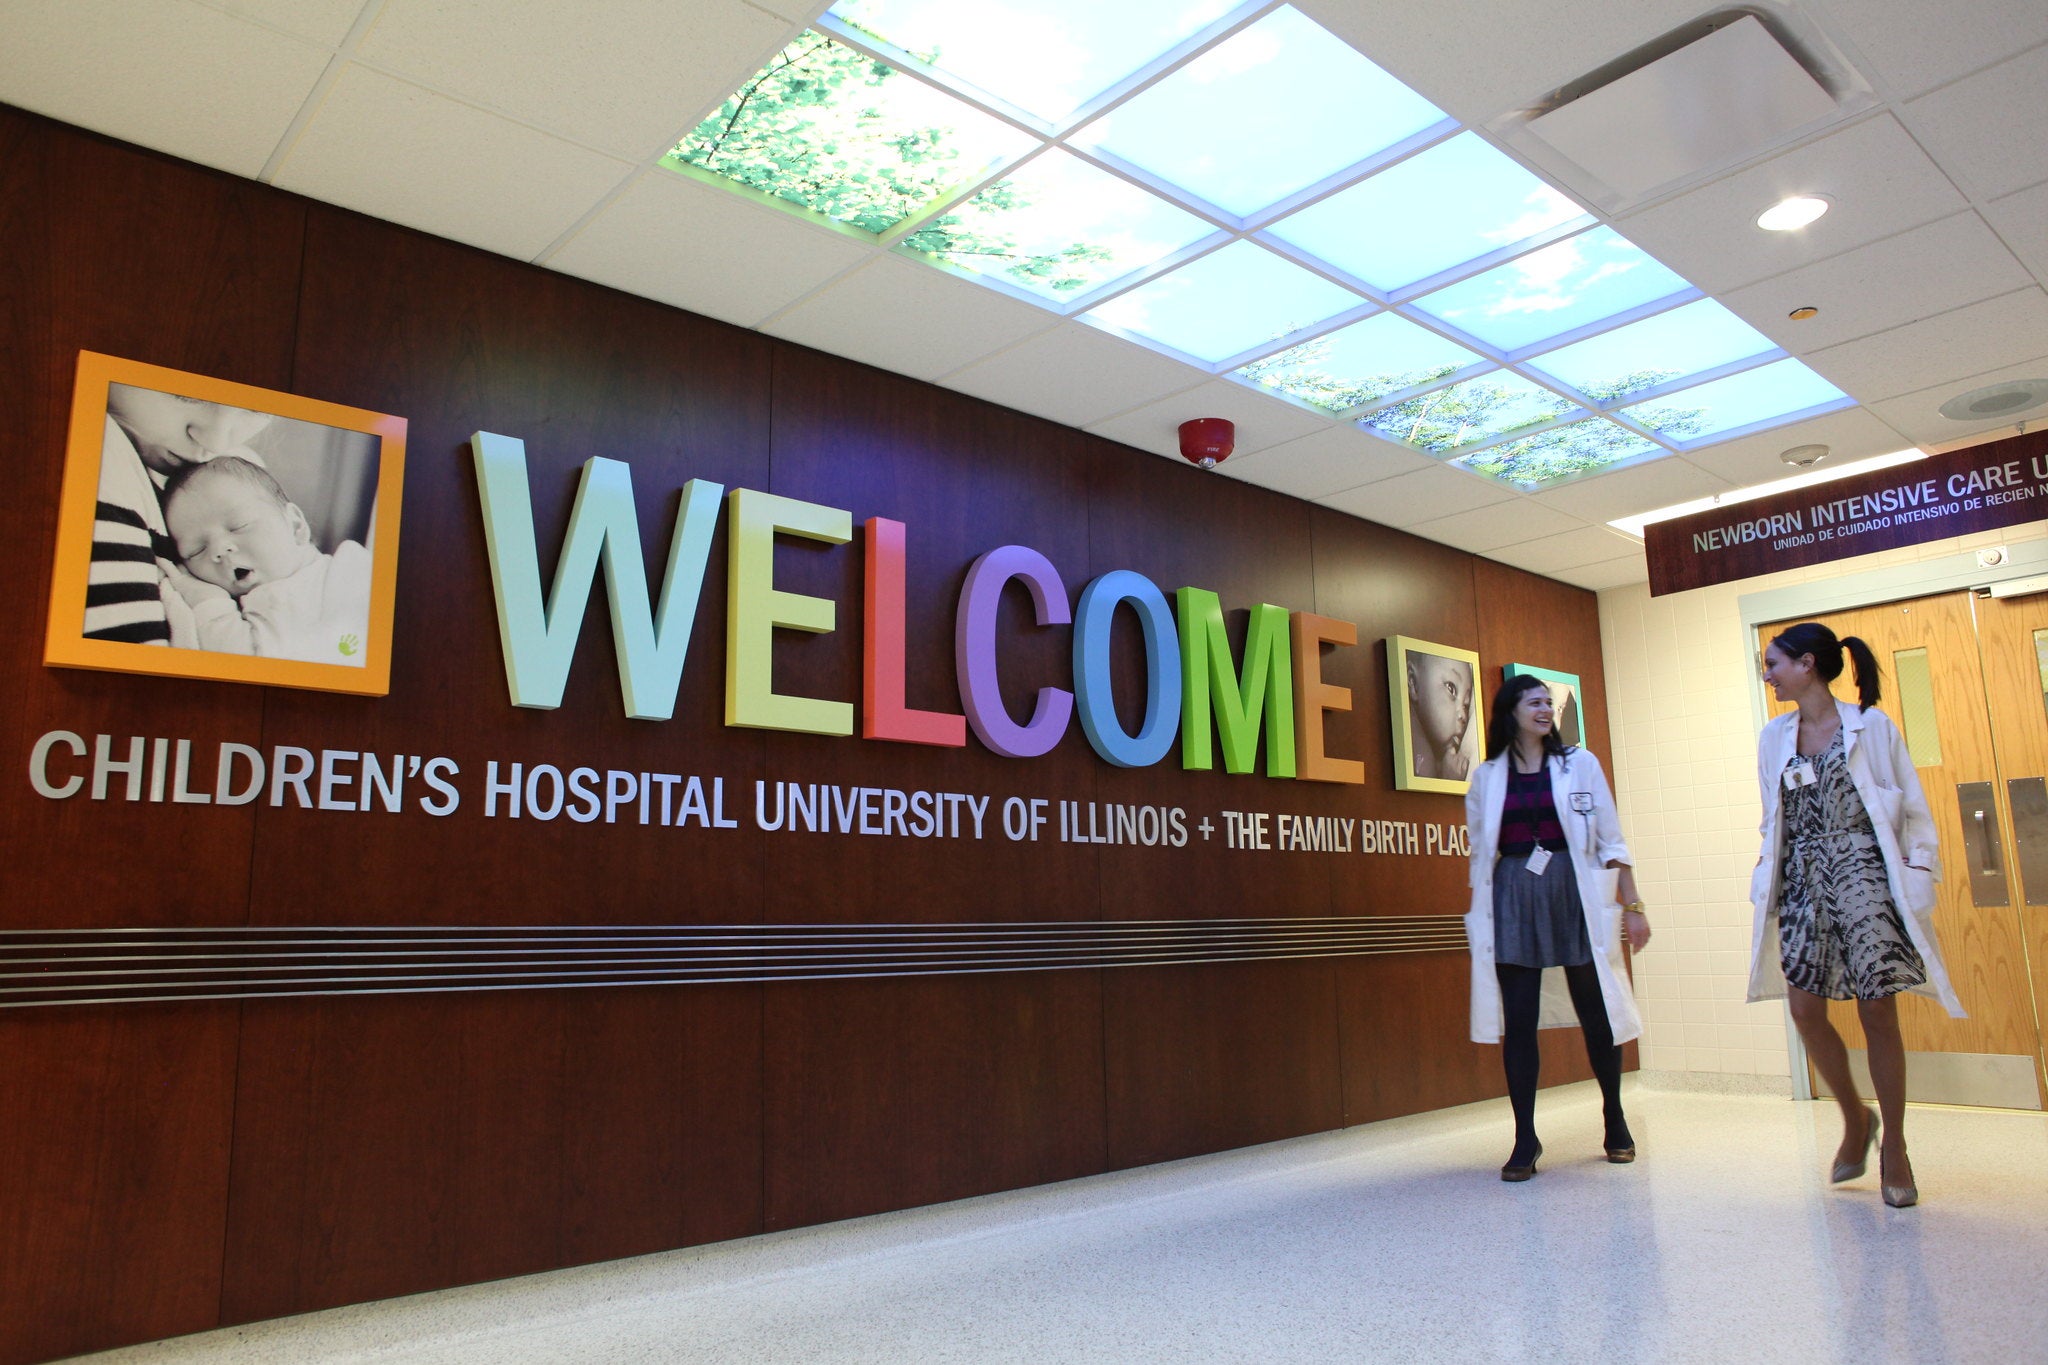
x=2001, y=483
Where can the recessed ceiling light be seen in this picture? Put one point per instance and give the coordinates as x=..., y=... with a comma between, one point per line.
x=1790, y=214
x=1803, y=312
x=2009, y=399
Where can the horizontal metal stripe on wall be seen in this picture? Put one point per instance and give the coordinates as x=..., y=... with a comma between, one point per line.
x=107, y=966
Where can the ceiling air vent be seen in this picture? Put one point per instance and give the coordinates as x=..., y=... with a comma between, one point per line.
x=1699, y=101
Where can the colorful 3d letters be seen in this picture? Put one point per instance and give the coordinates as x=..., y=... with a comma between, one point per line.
x=1194, y=687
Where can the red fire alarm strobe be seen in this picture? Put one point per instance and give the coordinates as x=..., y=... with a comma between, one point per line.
x=1208, y=441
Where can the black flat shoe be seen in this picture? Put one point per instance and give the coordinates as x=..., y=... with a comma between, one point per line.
x=1622, y=1156
x=1513, y=1173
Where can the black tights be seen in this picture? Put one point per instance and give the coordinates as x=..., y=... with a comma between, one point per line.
x=1520, y=990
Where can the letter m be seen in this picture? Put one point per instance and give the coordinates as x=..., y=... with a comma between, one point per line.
x=539, y=634
x=1264, y=693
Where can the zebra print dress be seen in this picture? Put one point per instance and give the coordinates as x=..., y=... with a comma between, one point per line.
x=1839, y=933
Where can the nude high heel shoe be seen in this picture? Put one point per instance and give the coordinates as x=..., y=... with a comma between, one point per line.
x=1849, y=1170
x=1898, y=1196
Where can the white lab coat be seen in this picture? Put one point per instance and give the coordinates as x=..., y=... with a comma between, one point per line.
x=1883, y=773
x=1592, y=829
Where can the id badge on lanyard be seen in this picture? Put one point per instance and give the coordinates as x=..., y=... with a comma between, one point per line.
x=1799, y=773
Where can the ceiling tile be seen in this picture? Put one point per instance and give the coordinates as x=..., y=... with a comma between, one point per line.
x=2022, y=220
x=1469, y=60
x=1261, y=421
x=1489, y=528
x=1851, y=434
x=1875, y=177
x=326, y=22
x=909, y=318
x=1988, y=130
x=796, y=11
x=1328, y=462
x=1572, y=550
x=131, y=69
x=1970, y=340
x=629, y=84
x=1073, y=374
x=1613, y=573
x=1424, y=495
x=1638, y=488
x=1917, y=274
x=1911, y=46
x=705, y=249
x=1918, y=415
x=398, y=152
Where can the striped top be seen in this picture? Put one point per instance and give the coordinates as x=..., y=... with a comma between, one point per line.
x=124, y=586
x=1529, y=815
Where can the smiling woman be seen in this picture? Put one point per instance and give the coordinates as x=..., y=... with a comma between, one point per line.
x=1535, y=802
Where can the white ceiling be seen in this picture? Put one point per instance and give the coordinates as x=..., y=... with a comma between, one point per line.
x=532, y=128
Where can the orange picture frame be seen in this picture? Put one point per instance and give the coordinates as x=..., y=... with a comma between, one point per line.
x=366, y=462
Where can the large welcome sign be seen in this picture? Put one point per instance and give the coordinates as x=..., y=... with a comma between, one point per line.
x=2003, y=483
x=1190, y=672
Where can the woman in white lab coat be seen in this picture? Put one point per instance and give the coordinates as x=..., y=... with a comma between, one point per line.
x=1544, y=834
x=1844, y=889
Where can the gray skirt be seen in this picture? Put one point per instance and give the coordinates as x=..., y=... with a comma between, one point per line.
x=1538, y=921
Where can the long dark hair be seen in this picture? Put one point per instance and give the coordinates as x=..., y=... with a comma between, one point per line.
x=1811, y=637
x=1500, y=721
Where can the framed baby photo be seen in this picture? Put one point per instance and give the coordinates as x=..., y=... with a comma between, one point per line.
x=208, y=529
x=1568, y=702
x=1434, y=708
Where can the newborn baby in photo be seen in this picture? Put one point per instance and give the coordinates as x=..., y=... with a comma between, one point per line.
x=1440, y=716
x=256, y=582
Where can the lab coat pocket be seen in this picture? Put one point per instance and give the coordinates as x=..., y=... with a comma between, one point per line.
x=1920, y=892
x=1605, y=921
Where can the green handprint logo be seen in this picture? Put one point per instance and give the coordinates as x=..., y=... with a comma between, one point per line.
x=349, y=644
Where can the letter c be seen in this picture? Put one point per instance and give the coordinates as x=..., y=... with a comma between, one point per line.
x=39, y=765
x=974, y=651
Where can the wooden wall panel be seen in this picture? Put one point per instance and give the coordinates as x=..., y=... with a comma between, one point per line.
x=1405, y=1026
x=999, y=1078
x=125, y=252
x=1204, y=1058
x=294, y=1154
x=1180, y=526
x=114, y=1124
x=113, y=1189
x=1391, y=583
x=459, y=341
x=1528, y=619
x=385, y=1146
x=965, y=478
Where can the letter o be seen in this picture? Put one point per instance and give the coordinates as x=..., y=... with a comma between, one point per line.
x=1094, y=693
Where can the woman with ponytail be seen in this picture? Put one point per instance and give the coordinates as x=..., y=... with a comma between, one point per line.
x=1844, y=890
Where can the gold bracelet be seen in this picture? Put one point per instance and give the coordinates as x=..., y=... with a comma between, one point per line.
x=1632, y=908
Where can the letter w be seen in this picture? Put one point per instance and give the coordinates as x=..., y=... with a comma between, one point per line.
x=539, y=636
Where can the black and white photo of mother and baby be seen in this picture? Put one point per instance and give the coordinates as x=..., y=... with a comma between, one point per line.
x=230, y=529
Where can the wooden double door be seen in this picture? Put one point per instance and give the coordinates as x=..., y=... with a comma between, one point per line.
x=1966, y=678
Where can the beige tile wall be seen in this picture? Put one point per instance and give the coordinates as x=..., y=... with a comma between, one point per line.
x=1680, y=680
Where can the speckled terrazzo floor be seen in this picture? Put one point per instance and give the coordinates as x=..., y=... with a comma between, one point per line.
x=1392, y=1241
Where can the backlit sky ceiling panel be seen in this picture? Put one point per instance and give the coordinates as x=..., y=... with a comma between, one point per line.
x=1237, y=188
